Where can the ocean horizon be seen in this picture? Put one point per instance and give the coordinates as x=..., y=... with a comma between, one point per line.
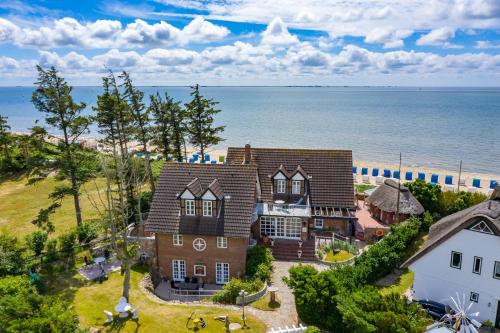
x=432, y=127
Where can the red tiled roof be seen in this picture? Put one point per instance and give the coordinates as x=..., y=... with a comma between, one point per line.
x=329, y=172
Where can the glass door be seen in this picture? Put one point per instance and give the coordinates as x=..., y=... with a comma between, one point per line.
x=178, y=270
x=221, y=273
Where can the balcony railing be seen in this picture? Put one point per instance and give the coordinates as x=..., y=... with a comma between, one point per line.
x=276, y=209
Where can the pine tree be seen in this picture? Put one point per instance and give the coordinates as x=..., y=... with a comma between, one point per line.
x=5, y=139
x=200, y=125
x=170, y=127
x=53, y=97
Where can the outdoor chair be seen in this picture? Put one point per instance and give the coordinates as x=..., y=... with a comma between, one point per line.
x=379, y=180
x=364, y=175
x=421, y=176
x=109, y=317
x=354, y=170
x=135, y=314
x=448, y=183
x=222, y=159
x=213, y=162
x=375, y=172
x=186, y=279
x=194, y=280
x=207, y=157
x=396, y=174
x=434, y=179
x=493, y=184
x=387, y=173
x=409, y=176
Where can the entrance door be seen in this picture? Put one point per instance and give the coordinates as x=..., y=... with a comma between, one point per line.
x=178, y=270
x=221, y=273
x=497, y=322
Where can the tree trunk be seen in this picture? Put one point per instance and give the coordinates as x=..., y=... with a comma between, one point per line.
x=76, y=199
x=126, y=279
x=148, y=167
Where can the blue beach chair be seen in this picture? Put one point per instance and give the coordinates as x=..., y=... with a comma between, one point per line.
x=207, y=157
x=375, y=172
x=396, y=174
x=434, y=179
x=476, y=182
x=387, y=173
x=493, y=184
x=213, y=162
x=364, y=175
x=421, y=176
x=191, y=161
x=195, y=157
x=354, y=170
x=448, y=180
x=364, y=171
x=409, y=176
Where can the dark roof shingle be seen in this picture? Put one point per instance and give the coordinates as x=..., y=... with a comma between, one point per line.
x=329, y=172
x=237, y=183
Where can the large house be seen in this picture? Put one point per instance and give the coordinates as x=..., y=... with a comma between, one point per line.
x=205, y=217
x=462, y=255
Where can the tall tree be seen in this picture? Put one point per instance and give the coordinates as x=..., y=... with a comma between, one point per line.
x=53, y=97
x=170, y=127
x=200, y=125
x=5, y=138
x=140, y=115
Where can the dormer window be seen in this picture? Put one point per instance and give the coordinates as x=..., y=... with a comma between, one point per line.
x=190, y=208
x=296, y=184
x=207, y=208
x=280, y=185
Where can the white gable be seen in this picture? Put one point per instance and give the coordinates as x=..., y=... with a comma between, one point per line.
x=208, y=196
x=279, y=175
x=298, y=176
x=187, y=195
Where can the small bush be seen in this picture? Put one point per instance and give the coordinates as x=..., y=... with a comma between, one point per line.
x=257, y=256
x=36, y=241
x=86, y=232
x=66, y=242
x=263, y=272
x=231, y=290
x=312, y=329
x=51, y=250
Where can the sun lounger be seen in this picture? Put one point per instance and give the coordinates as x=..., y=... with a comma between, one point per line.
x=387, y=173
x=434, y=179
x=493, y=184
x=396, y=174
x=354, y=170
x=364, y=175
x=448, y=183
x=409, y=176
x=421, y=176
x=375, y=172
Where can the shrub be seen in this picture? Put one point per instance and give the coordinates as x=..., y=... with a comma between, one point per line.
x=231, y=290
x=12, y=259
x=263, y=272
x=66, y=242
x=86, y=232
x=51, y=250
x=256, y=256
x=312, y=329
x=36, y=241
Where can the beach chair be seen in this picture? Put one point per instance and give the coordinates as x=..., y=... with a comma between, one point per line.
x=379, y=180
x=354, y=170
x=213, y=162
x=434, y=179
x=493, y=184
x=396, y=174
x=387, y=173
x=191, y=161
x=476, y=184
x=195, y=157
x=207, y=157
x=222, y=159
x=421, y=176
x=448, y=183
x=364, y=175
x=375, y=172
x=409, y=176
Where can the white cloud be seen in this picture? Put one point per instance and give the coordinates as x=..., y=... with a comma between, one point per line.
x=68, y=32
x=277, y=33
x=437, y=37
x=486, y=44
x=390, y=37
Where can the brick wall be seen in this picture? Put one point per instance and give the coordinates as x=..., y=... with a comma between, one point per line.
x=234, y=254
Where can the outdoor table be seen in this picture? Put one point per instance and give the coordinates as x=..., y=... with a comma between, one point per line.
x=273, y=291
x=99, y=260
x=188, y=285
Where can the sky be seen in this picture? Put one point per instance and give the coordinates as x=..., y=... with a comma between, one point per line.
x=254, y=42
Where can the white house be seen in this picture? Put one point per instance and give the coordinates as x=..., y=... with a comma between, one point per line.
x=462, y=255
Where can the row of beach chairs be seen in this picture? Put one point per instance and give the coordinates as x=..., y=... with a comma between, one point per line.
x=409, y=176
x=197, y=158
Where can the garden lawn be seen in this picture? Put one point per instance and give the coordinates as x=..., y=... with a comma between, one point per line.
x=20, y=204
x=264, y=303
x=360, y=188
x=401, y=286
x=340, y=256
x=91, y=299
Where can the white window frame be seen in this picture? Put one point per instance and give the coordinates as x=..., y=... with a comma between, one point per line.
x=483, y=227
x=224, y=275
x=190, y=208
x=222, y=242
x=296, y=185
x=204, y=270
x=177, y=240
x=316, y=224
x=474, y=297
x=207, y=208
x=280, y=185
x=451, y=260
x=474, y=265
x=179, y=267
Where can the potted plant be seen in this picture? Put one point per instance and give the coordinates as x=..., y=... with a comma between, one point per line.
x=272, y=241
x=300, y=242
x=488, y=326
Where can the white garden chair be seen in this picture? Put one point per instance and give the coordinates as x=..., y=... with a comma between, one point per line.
x=109, y=317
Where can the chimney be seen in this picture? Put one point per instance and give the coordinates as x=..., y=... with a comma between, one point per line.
x=248, y=154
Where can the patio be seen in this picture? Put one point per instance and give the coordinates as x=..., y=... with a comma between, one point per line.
x=167, y=293
x=96, y=270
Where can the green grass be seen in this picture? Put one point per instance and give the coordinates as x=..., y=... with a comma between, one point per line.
x=404, y=282
x=265, y=304
x=360, y=188
x=20, y=204
x=340, y=256
x=91, y=299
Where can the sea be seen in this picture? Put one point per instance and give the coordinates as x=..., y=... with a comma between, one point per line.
x=430, y=127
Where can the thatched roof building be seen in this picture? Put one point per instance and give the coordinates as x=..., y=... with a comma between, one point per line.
x=384, y=202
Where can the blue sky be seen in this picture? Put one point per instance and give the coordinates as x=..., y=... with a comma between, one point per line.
x=255, y=42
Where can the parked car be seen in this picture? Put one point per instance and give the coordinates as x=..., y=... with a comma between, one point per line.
x=435, y=309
